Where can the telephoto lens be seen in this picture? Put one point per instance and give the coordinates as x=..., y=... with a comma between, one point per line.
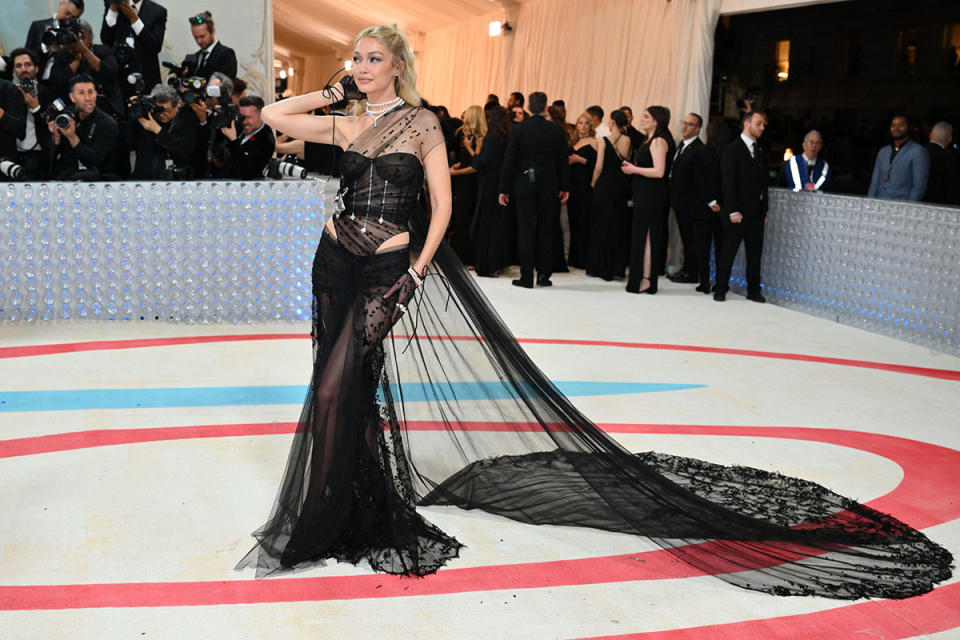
x=10, y=169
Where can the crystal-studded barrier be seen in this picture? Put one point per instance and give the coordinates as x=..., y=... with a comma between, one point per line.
x=886, y=266
x=241, y=252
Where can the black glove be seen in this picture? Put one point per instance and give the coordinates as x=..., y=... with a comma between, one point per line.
x=403, y=289
x=350, y=90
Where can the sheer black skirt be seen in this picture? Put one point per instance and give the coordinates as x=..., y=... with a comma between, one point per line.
x=493, y=433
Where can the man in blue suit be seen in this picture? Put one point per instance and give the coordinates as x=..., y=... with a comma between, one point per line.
x=808, y=172
x=901, y=169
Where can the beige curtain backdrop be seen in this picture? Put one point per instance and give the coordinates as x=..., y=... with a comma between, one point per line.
x=606, y=52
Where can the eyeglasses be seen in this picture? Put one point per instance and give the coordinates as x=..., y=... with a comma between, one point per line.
x=690, y=124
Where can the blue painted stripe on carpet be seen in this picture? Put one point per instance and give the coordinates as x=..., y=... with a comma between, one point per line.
x=76, y=399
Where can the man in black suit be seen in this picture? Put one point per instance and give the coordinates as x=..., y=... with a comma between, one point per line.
x=251, y=149
x=942, y=181
x=96, y=60
x=13, y=119
x=636, y=138
x=65, y=9
x=86, y=148
x=164, y=142
x=693, y=194
x=135, y=30
x=536, y=173
x=33, y=149
x=743, y=174
x=213, y=55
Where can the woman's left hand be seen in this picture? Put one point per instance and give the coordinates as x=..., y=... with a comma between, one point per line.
x=403, y=289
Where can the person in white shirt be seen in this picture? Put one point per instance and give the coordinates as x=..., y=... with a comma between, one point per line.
x=808, y=172
x=135, y=30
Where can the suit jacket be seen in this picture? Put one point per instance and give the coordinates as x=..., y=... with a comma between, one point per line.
x=222, y=58
x=248, y=160
x=744, y=180
x=695, y=181
x=797, y=174
x=175, y=142
x=96, y=152
x=14, y=121
x=45, y=96
x=146, y=46
x=903, y=179
x=110, y=97
x=538, y=144
x=34, y=33
x=943, y=177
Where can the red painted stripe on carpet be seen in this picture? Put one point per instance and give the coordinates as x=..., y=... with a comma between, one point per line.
x=928, y=471
x=888, y=619
x=72, y=347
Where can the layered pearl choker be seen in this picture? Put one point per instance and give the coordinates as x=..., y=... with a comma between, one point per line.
x=382, y=108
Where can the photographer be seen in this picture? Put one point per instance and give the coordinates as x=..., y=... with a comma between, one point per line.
x=163, y=135
x=33, y=149
x=211, y=144
x=135, y=31
x=82, y=57
x=66, y=9
x=13, y=117
x=249, y=151
x=84, y=137
x=213, y=56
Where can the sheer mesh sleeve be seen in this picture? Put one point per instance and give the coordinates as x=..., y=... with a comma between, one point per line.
x=431, y=134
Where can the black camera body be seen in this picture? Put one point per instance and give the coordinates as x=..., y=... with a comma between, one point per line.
x=193, y=89
x=177, y=173
x=142, y=107
x=66, y=33
x=224, y=114
x=28, y=85
x=61, y=113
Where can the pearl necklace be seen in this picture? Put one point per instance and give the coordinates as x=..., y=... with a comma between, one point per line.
x=389, y=105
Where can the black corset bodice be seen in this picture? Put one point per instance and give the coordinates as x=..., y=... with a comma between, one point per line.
x=381, y=180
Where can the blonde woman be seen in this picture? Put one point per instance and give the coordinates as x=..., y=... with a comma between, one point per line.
x=583, y=159
x=469, y=142
x=443, y=407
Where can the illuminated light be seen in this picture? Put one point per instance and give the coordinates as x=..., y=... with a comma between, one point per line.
x=787, y=154
x=494, y=28
x=283, y=74
x=783, y=74
x=290, y=72
x=348, y=65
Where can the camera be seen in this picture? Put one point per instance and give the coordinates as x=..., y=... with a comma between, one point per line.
x=195, y=88
x=278, y=169
x=61, y=114
x=177, y=173
x=224, y=114
x=10, y=169
x=142, y=107
x=29, y=85
x=65, y=34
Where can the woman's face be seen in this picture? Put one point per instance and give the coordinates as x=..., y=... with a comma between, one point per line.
x=647, y=123
x=373, y=66
x=517, y=114
x=583, y=127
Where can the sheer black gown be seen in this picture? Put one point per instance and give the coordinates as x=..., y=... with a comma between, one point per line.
x=607, y=254
x=578, y=206
x=445, y=408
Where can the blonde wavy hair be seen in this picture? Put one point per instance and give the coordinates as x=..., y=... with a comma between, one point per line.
x=474, y=121
x=576, y=131
x=396, y=41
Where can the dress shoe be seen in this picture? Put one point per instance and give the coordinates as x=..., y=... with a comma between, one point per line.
x=703, y=288
x=544, y=282
x=521, y=283
x=756, y=297
x=684, y=277
x=719, y=296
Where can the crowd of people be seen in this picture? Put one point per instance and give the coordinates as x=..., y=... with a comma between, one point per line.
x=75, y=109
x=515, y=167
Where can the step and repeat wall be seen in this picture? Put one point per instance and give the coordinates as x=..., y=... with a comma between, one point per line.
x=235, y=252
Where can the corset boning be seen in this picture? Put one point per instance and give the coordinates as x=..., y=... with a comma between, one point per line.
x=387, y=186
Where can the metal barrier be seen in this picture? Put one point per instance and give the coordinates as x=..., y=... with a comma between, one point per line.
x=200, y=252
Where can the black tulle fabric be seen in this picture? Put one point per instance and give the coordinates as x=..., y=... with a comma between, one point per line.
x=493, y=433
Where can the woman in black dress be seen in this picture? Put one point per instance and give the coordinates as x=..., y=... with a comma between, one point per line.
x=490, y=231
x=442, y=406
x=650, y=168
x=607, y=256
x=464, y=180
x=583, y=159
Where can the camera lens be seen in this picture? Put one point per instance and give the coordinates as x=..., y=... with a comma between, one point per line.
x=63, y=121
